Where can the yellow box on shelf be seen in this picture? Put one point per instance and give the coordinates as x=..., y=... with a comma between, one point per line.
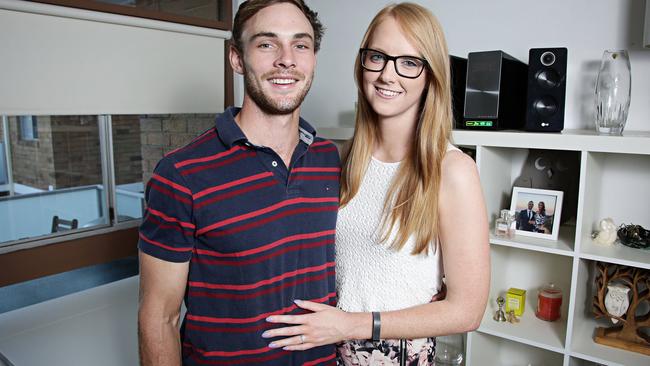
x=515, y=300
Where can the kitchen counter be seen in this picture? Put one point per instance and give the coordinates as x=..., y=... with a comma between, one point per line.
x=95, y=327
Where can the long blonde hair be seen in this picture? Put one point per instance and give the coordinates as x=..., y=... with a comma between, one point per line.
x=412, y=201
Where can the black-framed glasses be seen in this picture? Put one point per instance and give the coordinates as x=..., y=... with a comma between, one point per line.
x=406, y=66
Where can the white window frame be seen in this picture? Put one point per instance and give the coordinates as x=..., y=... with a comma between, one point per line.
x=28, y=128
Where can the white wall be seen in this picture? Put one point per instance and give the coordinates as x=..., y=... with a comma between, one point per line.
x=585, y=27
x=59, y=60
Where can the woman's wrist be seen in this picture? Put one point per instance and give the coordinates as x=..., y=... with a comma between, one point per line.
x=360, y=326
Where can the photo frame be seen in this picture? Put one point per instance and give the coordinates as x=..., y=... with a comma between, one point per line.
x=543, y=218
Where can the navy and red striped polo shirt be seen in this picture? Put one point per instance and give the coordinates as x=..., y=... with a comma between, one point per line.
x=257, y=236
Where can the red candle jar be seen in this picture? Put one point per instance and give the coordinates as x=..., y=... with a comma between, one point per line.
x=549, y=300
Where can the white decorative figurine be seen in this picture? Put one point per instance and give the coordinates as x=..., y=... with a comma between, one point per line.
x=607, y=233
x=616, y=300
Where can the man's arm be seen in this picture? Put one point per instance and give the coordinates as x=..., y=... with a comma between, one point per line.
x=162, y=286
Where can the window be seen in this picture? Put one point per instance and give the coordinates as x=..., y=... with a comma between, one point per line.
x=139, y=142
x=203, y=13
x=56, y=185
x=63, y=185
x=28, y=128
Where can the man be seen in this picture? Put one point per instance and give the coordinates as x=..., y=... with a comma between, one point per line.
x=526, y=218
x=240, y=222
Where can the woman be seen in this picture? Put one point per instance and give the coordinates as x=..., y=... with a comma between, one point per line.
x=410, y=202
x=540, y=218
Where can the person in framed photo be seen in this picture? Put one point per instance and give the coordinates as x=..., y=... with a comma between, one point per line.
x=540, y=219
x=526, y=218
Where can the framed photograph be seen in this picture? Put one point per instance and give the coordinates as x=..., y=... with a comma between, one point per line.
x=537, y=212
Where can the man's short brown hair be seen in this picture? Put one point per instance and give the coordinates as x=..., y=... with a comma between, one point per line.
x=249, y=8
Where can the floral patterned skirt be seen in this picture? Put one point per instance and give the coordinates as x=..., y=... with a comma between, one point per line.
x=419, y=352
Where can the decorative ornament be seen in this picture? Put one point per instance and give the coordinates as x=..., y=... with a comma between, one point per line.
x=633, y=318
x=499, y=315
x=549, y=301
x=613, y=92
x=607, y=233
x=616, y=300
x=634, y=236
x=512, y=318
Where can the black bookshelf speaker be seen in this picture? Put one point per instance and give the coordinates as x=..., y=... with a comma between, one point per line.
x=458, y=70
x=495, y=93
x=546, y=89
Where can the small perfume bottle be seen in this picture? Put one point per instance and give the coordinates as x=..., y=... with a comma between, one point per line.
x=502, y=225
x=513, y=223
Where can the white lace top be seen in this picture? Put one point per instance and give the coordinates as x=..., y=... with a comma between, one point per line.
x=370, y=276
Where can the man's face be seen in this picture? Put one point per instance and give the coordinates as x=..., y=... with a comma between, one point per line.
x=278, y=58
x=530, y=205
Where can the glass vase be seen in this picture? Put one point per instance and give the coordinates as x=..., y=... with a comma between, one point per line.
x=613, y=89
x=450, y=350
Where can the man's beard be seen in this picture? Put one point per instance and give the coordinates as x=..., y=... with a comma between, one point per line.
x=269, y=105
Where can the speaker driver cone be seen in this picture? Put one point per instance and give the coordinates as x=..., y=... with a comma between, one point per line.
x=548, y=78
x=546, y=106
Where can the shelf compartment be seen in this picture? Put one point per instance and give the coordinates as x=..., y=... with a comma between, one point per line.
x=563, y=246
x=486, y=349
x=575, y=361
x=584, y=326
x=616, y=186
x=584, y=347
x=502, y=167
x=528, y=270
x=530, y=330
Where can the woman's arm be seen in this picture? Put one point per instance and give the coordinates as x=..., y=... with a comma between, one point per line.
x=465, y=253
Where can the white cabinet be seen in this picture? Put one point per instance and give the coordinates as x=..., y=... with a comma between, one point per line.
x=613, y=180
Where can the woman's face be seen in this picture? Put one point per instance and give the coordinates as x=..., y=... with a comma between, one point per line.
x=389, y=94
x=540, y=206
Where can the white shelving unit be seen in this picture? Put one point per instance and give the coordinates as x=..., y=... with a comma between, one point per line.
x=613, y=181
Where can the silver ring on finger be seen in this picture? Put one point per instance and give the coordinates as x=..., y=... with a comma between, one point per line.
x=302, y=338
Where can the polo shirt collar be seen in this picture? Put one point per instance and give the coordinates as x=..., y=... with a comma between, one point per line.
x=306, y=132
x=230, y=133
x=227, y=129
